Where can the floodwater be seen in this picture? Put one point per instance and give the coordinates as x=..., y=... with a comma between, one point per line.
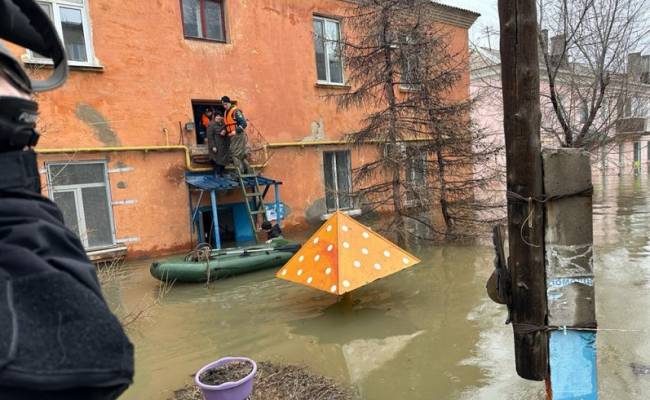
x=429, y=332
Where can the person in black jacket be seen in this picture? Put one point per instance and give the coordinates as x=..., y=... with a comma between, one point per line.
x=272, y=230
x=58, y=338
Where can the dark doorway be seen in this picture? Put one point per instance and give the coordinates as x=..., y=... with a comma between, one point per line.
x=198, y=108
x=226, y=225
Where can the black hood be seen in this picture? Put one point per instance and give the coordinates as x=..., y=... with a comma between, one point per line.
x=24, y=23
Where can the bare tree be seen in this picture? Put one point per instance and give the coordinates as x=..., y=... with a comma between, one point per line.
x=402, y=68
x=585, y=67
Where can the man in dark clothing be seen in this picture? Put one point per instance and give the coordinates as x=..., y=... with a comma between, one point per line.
x=218, y=144
x=58, y=338
x=272, y=230
x=236, y=129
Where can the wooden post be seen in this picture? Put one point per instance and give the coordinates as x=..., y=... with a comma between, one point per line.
x=569, y=274
x=521, y=107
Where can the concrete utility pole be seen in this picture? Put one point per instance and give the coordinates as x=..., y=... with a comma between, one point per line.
x=522, y=116
x=569, y=274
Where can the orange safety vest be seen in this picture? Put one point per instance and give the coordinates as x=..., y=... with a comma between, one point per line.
x=205, y=121
x=229, y=120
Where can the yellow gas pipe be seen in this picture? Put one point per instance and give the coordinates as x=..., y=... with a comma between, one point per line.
x=186, y=150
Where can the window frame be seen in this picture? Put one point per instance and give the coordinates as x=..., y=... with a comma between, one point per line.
x=203, y=26
x=335, y=177
x=638, y=154
x=412, y=178
x=621, y=154
x=79, y=203
x=405, y=85
x=56, y=20
x=328, y=81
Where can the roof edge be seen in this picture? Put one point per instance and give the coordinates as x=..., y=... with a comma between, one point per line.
x=455, y=15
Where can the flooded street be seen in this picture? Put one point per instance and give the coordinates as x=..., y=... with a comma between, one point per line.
x=427, y=332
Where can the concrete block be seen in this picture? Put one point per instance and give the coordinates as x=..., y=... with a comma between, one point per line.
x=562, y=164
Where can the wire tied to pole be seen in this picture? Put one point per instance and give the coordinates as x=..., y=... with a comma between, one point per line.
x=525, y=328
x=530, y=200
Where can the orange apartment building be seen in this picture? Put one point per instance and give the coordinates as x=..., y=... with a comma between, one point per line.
x=120, y=136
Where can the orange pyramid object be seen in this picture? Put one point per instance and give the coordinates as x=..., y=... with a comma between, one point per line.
x=344, y=255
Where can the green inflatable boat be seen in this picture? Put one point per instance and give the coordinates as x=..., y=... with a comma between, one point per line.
x=225, y=263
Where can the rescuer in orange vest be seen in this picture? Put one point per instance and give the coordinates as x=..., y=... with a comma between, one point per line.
x=206, y=117
x=236, y=130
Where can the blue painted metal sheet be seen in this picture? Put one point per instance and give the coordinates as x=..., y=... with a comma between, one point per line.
x=573, y=365
x=220, y=184
x=243, y=230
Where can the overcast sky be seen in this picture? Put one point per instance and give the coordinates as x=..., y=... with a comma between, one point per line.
x=489, y=18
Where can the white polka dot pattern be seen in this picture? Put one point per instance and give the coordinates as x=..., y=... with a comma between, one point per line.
x=344, y=255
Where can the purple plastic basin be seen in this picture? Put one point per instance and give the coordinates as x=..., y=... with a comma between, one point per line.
x=239, y=390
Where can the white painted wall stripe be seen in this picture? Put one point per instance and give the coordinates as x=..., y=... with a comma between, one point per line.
x=123, y=169
x=128, y=240
x=123, y=202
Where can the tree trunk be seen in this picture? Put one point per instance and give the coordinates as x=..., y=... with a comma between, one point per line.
x=393, y=147
x=444, y=203
x=522, y=118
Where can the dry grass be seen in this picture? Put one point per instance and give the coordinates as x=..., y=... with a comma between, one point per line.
x=112, y=272
x=282, y=382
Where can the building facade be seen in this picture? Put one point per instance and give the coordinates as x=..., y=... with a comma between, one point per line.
x=625, y=119
x=120, y=136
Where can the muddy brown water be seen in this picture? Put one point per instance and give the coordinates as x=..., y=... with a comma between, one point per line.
x=427, y=332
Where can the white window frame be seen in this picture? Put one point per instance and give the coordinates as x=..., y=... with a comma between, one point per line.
x=55, y=5
x=335, y=177
x=328, y=74
x=77, y=190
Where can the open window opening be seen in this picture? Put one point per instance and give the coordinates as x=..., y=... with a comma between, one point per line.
x=199, y=108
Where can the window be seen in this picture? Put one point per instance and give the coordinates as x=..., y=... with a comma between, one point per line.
x=621, y=155
x=70, y=18
x=584, y=112
x=203, y=19
x=637, y=155
x=81, y=191
x=327, y=42
x=200, y=124
x=338, y=180
x=409, y=64
x=415, y=177
x=638, y=107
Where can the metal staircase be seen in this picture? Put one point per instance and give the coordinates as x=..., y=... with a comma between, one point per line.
x=254, y=198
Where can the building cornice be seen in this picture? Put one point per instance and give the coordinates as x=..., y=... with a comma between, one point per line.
x=448, y=14
x=454, y=15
